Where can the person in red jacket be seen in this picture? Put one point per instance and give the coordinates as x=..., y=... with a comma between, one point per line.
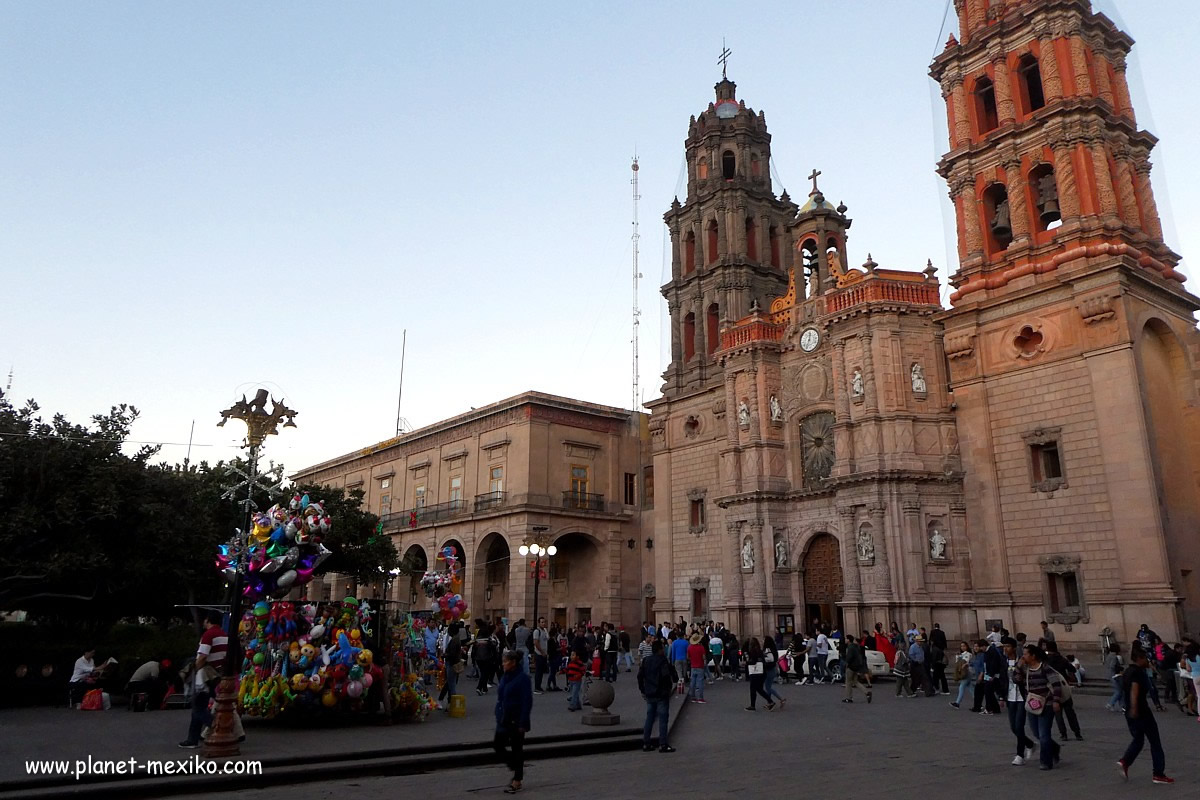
x=575, y=670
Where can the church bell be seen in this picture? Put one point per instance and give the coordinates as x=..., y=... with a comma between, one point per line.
x=1050, y=211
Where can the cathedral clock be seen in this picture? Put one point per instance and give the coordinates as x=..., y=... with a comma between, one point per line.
x=809, y=340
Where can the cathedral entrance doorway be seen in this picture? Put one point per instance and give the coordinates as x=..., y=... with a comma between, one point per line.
x=823, y=581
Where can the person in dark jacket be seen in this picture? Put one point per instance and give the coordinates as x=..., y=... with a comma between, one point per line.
x=937, y=637
x=514, y=701
x=1064, y=668
x=656, y=680
x=995, y=669
x=453, y=658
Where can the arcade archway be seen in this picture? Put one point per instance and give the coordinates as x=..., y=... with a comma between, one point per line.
x=489, y=598
x=575, y=576
x=407, y=589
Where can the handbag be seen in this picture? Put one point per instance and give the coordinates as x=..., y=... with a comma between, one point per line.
x=458, y=668
x=1035, y=704
x=754, y=669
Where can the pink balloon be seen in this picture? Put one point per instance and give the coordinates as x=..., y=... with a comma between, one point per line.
x=456, y=612
x=444, y=601
x=354, y=688
x=367, y=680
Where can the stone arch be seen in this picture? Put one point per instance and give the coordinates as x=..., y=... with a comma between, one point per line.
x=407, y=591
x=1167, y=386
x=576, y=578
x=464, y=564
x=489, y=599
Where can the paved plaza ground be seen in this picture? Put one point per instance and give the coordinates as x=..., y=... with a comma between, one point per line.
x=893, y=747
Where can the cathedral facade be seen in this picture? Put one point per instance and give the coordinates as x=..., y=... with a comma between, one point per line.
x=834, y=444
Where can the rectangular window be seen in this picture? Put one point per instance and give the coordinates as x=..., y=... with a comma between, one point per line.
x=699, y=602
x=1046, y=464
x=385, y=505
x=648, y=487
x=456, y=489
x=630, y=488
x=1064, y=592
x=697, y=514
x=579, y=480
x=560, y=569
x=419, y=497
x=1047, y=470
x=496, y=479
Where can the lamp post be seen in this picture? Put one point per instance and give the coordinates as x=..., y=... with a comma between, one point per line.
x=260, y=423
x=539, y=552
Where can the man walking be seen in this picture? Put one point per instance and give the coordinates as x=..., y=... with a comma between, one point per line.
x=678, y=656
x=1135, y=687
x=856, y=669
x=656, y=679
x=626, y=655
x=210, y=658
x=520, y=643
x=697, y=655
x=608, y=651
x=916, y=658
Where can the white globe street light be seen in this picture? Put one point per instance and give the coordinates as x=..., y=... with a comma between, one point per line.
x=551, y=550
x=523, y=550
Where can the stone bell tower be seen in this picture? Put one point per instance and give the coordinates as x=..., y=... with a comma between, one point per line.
x=729, y=238
x=1071, y=342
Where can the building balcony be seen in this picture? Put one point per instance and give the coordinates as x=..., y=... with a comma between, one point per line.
x=582, y=501
x=490, y=501
x=891, y=287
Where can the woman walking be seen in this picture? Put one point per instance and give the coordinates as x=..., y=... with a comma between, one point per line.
x=514, y=701
x=771, y=670
x=962, y=672
x=1015, y=703
x=484, y=651
x=756, y=672
x=1042, y=688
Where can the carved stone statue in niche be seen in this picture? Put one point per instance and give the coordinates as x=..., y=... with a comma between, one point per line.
x=776, y=410
x=866, y=544
x=937, y=545
x=856, y=383
x=918, y=379
x=747, y=554
x=743, y=414
x=781, y=554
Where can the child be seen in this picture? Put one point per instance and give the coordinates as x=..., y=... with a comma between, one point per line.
x=575, y=670
x=1080, y=674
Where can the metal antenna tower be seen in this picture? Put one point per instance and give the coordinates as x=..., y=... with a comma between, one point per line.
x=637, y=312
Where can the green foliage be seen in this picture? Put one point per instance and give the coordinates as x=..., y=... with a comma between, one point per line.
x=93, y=536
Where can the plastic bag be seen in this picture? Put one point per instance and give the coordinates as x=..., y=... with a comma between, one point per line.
x=93, y=700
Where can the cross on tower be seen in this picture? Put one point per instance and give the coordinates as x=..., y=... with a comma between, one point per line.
x=724, y=59
x=813, y=178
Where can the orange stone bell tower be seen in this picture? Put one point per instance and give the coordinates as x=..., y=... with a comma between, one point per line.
x=1072, y=342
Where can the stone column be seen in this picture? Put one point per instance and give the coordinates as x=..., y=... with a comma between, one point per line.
x=722, y=234
x=1048, y=65
x=1079, y=67
x=965, y=190
x=1126, y=189
x=741, y=246
x=676, y=256
x=960, y=8
x=1006, y=109
x=734, y=594
x=917, y=548
x=976, y=15
x=853, y=580
x=1104, y=87
x=962, y=122
x=1145, y=192
x=872, y=396
x=759, y=583
x=843, y=441
x=883, y=569
x=962, y=548
x=764, y=240
x=752, y=402
x=1121, y=87
x=1105, y=192
x=1018, y=210
x=1064, y=177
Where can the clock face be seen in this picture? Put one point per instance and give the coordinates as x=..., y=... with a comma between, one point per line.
x=809, y=340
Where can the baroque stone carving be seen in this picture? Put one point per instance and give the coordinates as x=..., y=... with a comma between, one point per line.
x=937, y=545
x=1096, y=309
x=747, y=553
x=856, y=383
x=743, y=413
x=865, y=544
x=781, y=554
x=917, y=374
x=776, y=410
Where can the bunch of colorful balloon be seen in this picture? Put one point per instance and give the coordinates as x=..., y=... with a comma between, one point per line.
x=312, y=661
x=282, y=551
x=442, y=588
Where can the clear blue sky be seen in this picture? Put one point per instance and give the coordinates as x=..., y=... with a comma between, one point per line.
x=197, y=197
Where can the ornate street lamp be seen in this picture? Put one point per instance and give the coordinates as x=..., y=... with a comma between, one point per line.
x=260, y=423
x=539, y=551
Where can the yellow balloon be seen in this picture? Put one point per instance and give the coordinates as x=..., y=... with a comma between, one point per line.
x=328, y=700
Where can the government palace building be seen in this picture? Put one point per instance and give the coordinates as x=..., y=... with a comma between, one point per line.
x=831, y=441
